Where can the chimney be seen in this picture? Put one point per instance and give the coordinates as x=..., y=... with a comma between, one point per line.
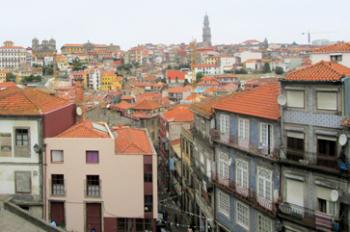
x=79, y=91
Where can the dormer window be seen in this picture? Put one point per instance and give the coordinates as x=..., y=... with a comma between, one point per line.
x=336, y=58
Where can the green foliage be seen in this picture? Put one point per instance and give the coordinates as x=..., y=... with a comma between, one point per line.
x=186, y=82
x=10, y=77
x=77, y=65
x=241, y=71
x=199, y=76
x=266, y=68
x=279, y=70
x=48, y=69
x=31, y=79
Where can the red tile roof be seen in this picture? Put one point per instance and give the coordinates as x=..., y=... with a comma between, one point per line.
x=132, y=141
x=259, y=102
x=322, y=71
x=6, y=85
x=85, y=129
x=122, y=106
x=179, y=113
x=338, y=47
x=147, y=105
x=28, y=101
x=173, y=74
x=179, y=89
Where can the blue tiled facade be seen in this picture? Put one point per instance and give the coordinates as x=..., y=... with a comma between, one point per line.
x=254, y=160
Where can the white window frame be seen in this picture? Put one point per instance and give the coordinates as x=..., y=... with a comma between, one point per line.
x=243, y=132
x=52, y=159
x=264, y=224
x=224, y=206
x=264, y=187
x=224, y=123
x=224, y=167
x=242, y=176
x=242, y=215
x=266, y=137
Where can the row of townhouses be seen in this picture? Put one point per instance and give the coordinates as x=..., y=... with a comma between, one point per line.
x=271, y=158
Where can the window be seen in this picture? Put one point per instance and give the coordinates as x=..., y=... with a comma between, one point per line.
x=264, y=224
x=224, y=166
x=336, y=58
x=148, y=203
x=242, y=212
x=148, y=172
x=327, y=100
x=243, y=132
x=224, y=123
x=295, y=98
x=265, y=187
x=23, y=183
x=22, y=137
x=242, y=176
x=326, y=146
x=266, y=138
x=295, y=145
x=224, y=203
x=57, y=185
x=22, y=142
x=325, y=204
x=92, y=157
x=92, y=186
x=56, y=156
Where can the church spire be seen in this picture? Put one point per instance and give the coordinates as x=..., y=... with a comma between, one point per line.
x=206, y=31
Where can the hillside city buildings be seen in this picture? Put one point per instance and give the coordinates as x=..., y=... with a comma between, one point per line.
x=194, y=136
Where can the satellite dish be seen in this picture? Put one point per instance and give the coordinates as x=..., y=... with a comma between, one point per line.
x=79, y=111
x=282, y=100
x=343, y=139
x=334, y=195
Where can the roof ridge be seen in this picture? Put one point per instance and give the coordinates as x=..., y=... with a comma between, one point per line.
x=25, y=94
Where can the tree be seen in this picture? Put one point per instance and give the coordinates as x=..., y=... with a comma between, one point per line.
x=241, y=71
x=48, y=69
x=186, y=82
x=31, y=79
x=77, y=65
x=10, y=77
x=199, y=76
x=279, y=70
x=266, y=68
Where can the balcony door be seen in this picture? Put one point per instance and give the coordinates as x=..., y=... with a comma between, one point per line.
x=93, y=217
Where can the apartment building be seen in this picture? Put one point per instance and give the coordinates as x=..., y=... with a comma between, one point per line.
x=115, y=186
x=27, y=116
x=314, y=172
x=11, y=56
x=246, y=147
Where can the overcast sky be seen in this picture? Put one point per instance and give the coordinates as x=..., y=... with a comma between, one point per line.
x=132, y=22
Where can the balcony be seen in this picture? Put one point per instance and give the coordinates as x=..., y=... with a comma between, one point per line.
x=58, y=190
x=245, y=146
x=310, y=218
x=312, y=160
x=93, y=187
x=247, y=195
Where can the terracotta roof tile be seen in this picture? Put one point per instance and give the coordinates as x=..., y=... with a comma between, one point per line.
x=28, y=101
x=338, y=47
x=132, y=141
x=322, y=71
x=147, y=105
x=85, y=129
x=179, y=89
x=122, y=106
x=180, y=113
x=173, y=74
x=259, y=102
